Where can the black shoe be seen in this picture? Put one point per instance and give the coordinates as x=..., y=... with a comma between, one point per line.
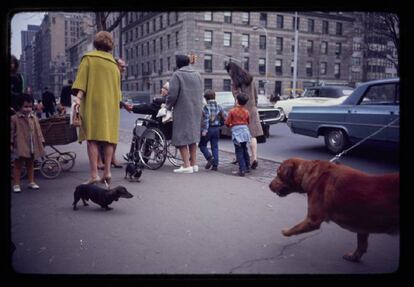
x=214, y=168
x=241, y=173
x=247, y=171
x=254, y=164
x=209, y=163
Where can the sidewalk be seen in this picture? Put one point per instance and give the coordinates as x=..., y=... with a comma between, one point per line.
x=202, y=223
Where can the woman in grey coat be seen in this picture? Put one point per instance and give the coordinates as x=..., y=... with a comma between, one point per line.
x=186, y=96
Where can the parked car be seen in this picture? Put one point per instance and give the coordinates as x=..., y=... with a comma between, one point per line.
x=371, y=106
x=314, y=96
x=267, y=112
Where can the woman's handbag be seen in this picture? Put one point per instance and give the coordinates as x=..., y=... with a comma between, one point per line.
x=75, y=116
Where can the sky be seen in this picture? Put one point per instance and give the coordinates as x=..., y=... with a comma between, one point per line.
x=19, y=23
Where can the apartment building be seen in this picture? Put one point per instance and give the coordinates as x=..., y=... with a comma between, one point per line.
x=253, y=39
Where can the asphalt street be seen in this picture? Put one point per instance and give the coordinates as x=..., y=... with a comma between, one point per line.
x=202, y=223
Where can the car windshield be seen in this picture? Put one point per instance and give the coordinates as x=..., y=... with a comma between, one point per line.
x=225, y=98
x=327, y=92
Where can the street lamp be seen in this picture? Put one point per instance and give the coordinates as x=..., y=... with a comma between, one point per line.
x=267, y=54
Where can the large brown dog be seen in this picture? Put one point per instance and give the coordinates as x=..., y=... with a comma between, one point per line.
x=354, y=200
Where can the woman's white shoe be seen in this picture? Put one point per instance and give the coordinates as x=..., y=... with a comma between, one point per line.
x=184, y=169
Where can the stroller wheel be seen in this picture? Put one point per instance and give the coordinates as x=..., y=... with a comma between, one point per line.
x=50, y=168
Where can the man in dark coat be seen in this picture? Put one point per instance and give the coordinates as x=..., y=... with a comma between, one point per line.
x=66, y=96
x=49, y=102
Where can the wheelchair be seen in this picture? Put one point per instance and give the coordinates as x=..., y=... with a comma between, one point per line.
x=151, y=144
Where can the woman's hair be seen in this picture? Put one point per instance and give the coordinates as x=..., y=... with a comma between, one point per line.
x=22, y=98
x=242, y=99
x=103, y=41
x=209, y=95
x=238, y=75
x=182, y=60
x=14, y=60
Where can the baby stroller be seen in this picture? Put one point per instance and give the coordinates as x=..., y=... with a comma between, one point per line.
x=151, y=144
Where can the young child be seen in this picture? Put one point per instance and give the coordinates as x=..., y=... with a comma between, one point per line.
x=213, y=116
x=237, y=120
x=26, y=141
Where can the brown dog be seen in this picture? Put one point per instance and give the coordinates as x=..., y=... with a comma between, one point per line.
x=354, y=200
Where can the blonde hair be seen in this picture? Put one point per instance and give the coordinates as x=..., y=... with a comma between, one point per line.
x=103, y=41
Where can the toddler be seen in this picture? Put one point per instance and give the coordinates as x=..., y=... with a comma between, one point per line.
x=213, y=116
x=237, y=120
x=26, y=141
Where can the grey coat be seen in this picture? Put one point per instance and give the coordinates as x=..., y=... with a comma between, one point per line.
x=186, y=97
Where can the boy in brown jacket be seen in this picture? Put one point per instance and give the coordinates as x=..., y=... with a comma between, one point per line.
x=26, y=141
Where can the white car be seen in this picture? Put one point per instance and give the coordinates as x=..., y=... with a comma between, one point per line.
x=314, y=96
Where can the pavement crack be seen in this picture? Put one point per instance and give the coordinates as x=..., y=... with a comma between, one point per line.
x=248, y=263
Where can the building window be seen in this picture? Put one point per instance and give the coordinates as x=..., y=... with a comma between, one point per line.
x=161, y=44
x=208, y=39
x=161, y=66
x=246, y=18
x=262, y=42
x=311, y=25
x=325, y=27
x=154, y=25
x=227, y=17
x=161, y=22
x=176, y=39
x=208, y=84
x=168, y=64
x=292, y=67
x=338, y=48
x=208, y=63
x=263, y=20
x=279, y=45
x=338, y=28
x=262, y=66
x=293, y=45
x=324, y=48
x=168, y=41
x=278, y=67
x=245, y=41
x=168, y=18
x=357, y=47
x=323, y=68
x=295, y=23
x=337, y=71
x=154, y=45
x=279, y=21
x=154, y=62
x=261, y=87
x=356, y=76
x=246, y=63
x=227, y=85
x=278, y=88
x=309, y=72
x=227, y=39
x=208, y=16
x=309, y=47
x=356, y=61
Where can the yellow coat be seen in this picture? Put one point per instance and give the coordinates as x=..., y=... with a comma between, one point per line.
x=99, y=77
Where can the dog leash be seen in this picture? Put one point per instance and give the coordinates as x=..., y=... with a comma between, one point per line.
x=336, y=158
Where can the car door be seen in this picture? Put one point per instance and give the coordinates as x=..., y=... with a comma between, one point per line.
x=375, y=109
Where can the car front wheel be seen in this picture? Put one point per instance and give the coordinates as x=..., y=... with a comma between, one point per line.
x=336, y=140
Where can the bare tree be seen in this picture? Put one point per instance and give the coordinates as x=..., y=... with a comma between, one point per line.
x=385, y=28
x=101, y=22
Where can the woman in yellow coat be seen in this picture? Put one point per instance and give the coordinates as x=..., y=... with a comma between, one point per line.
x=98, y=93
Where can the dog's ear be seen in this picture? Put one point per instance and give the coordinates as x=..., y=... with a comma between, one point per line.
x=286, y=171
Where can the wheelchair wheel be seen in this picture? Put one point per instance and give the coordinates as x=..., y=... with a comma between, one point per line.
x=66, y=161
x=174, y=156
x=152, y=148
x=50, y=168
